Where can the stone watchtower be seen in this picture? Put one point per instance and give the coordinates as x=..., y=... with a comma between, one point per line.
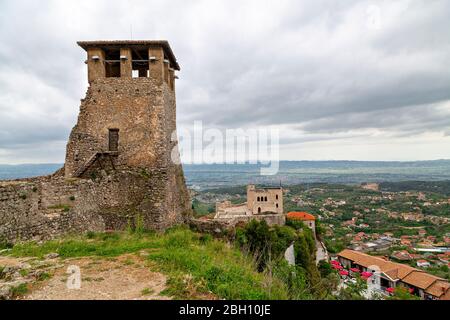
x=128, y=118
x=127, y=125
x=122, y=160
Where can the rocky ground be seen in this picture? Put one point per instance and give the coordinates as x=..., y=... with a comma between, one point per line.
x=128, y=277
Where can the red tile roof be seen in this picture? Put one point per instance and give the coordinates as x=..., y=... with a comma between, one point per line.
x=433, y=285
x=302, y=216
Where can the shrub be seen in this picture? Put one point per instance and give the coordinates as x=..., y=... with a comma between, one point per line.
x=19, y=290
x=4, y=244
x=43, y=276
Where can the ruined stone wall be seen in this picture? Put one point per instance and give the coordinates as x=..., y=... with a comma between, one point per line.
x=41, y=208
x=219, y=227
x=45, y=207
x=142, y=180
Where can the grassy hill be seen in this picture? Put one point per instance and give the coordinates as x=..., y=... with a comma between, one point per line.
x=195, y=264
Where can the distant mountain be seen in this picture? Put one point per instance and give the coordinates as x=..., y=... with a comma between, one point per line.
x=298, y=172
x=9, y=172
x=290, y=172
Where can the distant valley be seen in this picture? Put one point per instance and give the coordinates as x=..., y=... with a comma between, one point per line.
x=291, y=172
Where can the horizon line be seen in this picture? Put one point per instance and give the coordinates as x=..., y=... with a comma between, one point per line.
x=246, y=163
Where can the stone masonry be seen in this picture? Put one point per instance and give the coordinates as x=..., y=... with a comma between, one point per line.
x=262, y=204
x=120, y=155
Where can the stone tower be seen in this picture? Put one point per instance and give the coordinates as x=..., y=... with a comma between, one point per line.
x=127, y=122
x=122, y=160
x=128, y=118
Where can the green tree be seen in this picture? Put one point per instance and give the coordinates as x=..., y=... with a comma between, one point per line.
x=353, y=291
x=403, y=294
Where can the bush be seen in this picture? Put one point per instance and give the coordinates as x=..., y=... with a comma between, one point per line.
x=403, y=294
x=4, y=244
x=263, y=242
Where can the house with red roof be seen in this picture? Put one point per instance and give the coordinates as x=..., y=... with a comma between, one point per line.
x=386, y=275
x=308, y=219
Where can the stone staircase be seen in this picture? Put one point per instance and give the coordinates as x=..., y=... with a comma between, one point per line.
x=96, y=156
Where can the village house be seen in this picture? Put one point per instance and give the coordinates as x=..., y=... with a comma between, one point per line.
x=387, y=275
x=401, y=255
x=308, y=219
x=405, y=242
x=423, y=264
x=379, y=245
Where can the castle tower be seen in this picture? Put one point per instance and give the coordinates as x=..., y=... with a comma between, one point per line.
x=127, y=123
x=122, y=162
x=128, y=118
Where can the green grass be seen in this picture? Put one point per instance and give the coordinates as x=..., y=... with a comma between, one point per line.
x=103, y=245
x=147, y=292
x=43, y=276
x=20, y=290
x=214, y=267
x=195, y=264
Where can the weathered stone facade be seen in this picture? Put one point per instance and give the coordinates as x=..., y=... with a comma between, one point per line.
x=262, y=204
x=119, y=162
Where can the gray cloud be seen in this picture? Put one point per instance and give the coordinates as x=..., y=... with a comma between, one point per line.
x=317, y=67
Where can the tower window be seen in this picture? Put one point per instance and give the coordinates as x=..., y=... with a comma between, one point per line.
x=265, y=199
x=140, y=65
x=277, y=197
x=112, y=63
x=113, y=140
x=259, y=210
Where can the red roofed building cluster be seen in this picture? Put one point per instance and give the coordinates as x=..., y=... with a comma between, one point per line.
x=389, y=275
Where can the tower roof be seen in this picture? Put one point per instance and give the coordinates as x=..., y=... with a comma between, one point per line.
x=138, y=44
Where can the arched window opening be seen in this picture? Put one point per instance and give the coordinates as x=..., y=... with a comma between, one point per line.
x=259, y=210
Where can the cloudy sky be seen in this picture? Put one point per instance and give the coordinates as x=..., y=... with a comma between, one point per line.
x=360, y=80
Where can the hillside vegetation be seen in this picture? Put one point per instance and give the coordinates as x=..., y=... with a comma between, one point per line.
x=194, y=263
x=247, y=266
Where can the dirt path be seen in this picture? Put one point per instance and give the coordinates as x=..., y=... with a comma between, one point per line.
x=128, y=277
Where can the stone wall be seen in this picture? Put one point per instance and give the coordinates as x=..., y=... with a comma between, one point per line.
x=226, y=227
x=45, y=207
x=142, y=111
x=274, y=202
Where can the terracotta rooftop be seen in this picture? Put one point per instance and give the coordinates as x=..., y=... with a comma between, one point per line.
x=396, y=271
x=117, y=44
x=302, y=216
